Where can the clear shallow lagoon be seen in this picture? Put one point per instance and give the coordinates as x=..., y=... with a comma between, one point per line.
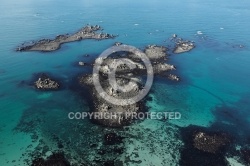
x=215, y=75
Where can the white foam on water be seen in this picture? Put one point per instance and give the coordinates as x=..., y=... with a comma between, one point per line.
x=199, y=33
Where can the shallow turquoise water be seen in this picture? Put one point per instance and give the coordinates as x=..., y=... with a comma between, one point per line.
x=214, y=74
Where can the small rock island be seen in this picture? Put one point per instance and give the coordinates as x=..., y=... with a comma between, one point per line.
x=47, y=45
x=181, y=45
x=44, y=82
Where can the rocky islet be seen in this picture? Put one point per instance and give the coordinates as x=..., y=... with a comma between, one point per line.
x=47, y=45
x=124, y=75
x=44, y=82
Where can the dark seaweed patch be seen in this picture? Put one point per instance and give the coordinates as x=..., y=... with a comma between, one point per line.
x=56, y=159
x=234, y=121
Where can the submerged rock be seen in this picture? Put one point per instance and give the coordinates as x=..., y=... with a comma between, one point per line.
x=109, y=163
x=204, y=146
x=56, y=159
x=238, y=46
x=211, y=143
x=112, y=139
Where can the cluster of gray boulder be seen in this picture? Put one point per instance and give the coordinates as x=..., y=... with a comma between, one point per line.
x=45, y=83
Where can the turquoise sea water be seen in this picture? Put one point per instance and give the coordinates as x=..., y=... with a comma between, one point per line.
x=215, y=75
